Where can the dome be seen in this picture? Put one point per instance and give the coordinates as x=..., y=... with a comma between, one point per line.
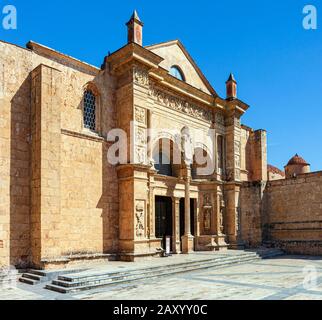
x=297, y=160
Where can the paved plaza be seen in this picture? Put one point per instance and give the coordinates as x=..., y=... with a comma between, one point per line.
x=282, y=278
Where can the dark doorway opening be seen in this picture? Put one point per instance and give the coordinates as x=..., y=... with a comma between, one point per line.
x=182, y=216
x=163, y=219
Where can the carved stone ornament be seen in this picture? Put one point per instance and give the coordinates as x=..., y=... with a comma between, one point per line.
x=141, y=76
x=140, y=155
x=140, y=115
x=186, y=146
x=207, y=218
x=220, y=119
x=221, y=217
x=140, y=136
x=139, y=214
x=207, y=211
x=180, y=105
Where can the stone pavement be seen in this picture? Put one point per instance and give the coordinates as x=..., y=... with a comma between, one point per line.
x=273, y=279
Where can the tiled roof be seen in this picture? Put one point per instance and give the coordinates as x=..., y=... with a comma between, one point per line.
x=297, y=160
x=275, y=170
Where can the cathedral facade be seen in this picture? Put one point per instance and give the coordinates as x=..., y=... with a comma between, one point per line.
x=139, y=155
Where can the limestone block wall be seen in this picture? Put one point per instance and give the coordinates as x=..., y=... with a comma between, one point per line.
x=253, y=154
x=34, y=147
x=251, y=196
x=14, y=154
x=294, y=213
x=89, y=197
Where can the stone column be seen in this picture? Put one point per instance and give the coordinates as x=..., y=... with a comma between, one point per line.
x=187, y=239
x=176, y=243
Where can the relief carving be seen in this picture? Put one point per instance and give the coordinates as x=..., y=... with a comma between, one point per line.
x=180, y=105
x=140, y=155
x=140, y=218
x=140, y=137
x=237, y=147
x=141, y=76
x=222, y=216
x=237, y=161
x=207, y=218
x=220, y=119
x=207, y=211
x=140, y=115
x=237, y=221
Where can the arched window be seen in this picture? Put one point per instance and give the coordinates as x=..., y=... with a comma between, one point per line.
x=89, y=110
x=176, y=72
x=167, y=158
x=163, y=164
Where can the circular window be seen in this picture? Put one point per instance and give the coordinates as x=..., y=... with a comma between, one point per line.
x=177, y=73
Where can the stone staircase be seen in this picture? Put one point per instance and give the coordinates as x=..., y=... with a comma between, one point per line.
x=82, y=281
x=35, y=277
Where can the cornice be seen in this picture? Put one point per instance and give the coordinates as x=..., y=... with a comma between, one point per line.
x=62, y=58
x=130, y=53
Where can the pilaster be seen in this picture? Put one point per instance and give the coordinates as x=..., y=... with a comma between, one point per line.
x=45, y=164
x=176, y=241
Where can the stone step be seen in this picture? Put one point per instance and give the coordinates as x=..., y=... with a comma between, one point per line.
x=38, y=272
x=88, y=283
x=158, y=268
x=32, y=276
x=28, y=281
x=40, y=276
x=144, y=274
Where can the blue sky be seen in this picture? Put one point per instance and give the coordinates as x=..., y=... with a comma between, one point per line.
x=276, y=62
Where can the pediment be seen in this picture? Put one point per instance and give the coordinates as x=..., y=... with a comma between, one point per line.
x=175, y=54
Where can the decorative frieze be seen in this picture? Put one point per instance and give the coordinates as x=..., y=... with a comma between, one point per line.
x=180, y=105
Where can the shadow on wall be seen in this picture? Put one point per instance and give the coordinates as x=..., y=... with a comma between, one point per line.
x=20, y=159
x=109, y=204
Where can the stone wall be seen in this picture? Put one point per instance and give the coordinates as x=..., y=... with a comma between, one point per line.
x=284, y=213
x=41, y=133
x=89, y=197
x=14, y=154
x=251, y=196
x=294, y=214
